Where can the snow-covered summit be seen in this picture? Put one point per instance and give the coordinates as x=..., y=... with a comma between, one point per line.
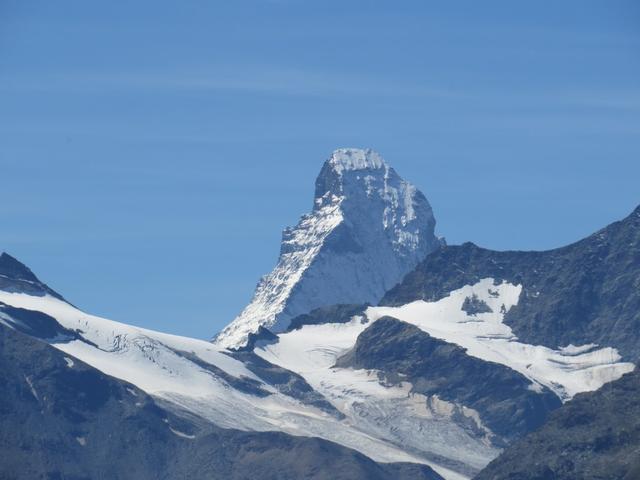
x=355, y=159
x=367, y=229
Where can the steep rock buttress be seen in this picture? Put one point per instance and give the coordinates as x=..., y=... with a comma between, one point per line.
x=368, y=228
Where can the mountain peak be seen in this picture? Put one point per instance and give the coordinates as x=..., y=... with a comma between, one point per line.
x=368, y=228
x=349, y=159
x=14, y=269
x=15, y=276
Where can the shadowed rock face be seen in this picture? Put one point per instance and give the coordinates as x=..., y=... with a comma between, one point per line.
x=36, y=324
x=587, y=292
x=285, y=381
x=594, y=436
x=12, y=268
x=16, y=277
x=503, y=397
x=62, y=419
x=332, y=313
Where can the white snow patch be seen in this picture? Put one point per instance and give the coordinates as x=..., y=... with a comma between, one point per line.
x=31, y=387
x=577, y=350
x=181, y=434
x=69, y=362
x=81, y=440
x=355, y=159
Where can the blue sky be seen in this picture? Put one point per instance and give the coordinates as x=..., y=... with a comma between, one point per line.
x=151, y=152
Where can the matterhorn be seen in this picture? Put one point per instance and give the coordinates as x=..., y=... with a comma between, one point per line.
x=367, y=229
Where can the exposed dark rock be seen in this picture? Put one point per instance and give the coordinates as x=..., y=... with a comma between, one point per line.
x=243, y=384
x=595, y=436
x=12, y=268
x=16, y=277
x=330, y=314
x=343, y=240
x=587, y=292
x=473, y=305
x=37, y=324
x=263, y=335
x=285, y=381
x=503, y=397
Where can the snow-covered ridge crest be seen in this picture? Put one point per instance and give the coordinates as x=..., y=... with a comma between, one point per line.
x=367, y=229
x=355, y=159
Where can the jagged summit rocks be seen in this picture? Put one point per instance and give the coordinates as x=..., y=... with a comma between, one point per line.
x=16, y=277
x=11, y=268
x=368, y=228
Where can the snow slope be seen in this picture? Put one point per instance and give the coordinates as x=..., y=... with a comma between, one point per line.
x=212, y=387
x=367, y=229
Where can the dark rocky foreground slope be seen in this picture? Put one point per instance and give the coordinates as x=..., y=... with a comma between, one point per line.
x=587, y=292
x=595, y=436
x=62, y=419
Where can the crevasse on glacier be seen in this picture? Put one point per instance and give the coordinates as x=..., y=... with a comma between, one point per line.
x=367, y=229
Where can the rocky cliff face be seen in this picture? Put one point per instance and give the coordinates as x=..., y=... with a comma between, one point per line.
x=595, y=436
x=368, y=228
x=17, y=278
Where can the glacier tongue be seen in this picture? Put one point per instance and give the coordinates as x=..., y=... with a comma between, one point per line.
x=367, y=229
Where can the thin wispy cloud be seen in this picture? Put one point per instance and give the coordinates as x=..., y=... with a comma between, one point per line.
x=284, y=81
x=308, y=83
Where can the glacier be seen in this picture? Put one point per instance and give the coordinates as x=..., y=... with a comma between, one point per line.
x=198, y=377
